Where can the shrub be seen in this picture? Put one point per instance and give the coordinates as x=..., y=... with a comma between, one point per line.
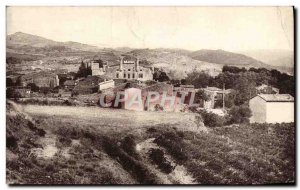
x=158, y=107
x=174, y=145
x=38, y=131
x=239, y=114
x=157, y=156
x=50, y=168
x=212, y=120
x=65, y=141
x=137, y=169
x=11, y=142
x=128, y=145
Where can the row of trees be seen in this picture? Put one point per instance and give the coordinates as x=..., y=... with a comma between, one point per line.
x=243, y=82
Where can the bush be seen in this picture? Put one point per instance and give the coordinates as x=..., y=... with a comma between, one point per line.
x=158, y=107
x=128, y=145
x=212, y=120
x=137, y=168
x=11, y=142
x=239, y=114
x=174, y=145
x=157, y=156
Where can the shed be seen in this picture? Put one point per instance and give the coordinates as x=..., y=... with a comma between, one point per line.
x=272, y=108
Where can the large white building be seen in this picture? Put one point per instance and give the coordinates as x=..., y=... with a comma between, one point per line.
x=128, y=68
x=272, y=108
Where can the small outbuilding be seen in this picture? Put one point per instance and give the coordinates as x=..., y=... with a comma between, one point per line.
x=106, y=84
x=272, y=108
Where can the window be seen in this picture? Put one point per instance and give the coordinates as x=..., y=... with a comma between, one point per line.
x=124, y=76
x=133, y=75
x=128, y=69
x=129, y=75
x=117, y=75
x=140, y=75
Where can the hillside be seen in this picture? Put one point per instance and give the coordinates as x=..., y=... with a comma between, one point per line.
x=77, y=146
x=32, y=43
x=178, y=63
x=226, y=58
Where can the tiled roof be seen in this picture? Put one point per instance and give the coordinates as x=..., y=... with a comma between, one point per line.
x=277, y=97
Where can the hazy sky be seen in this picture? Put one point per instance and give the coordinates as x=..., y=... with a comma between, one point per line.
x=193, y=28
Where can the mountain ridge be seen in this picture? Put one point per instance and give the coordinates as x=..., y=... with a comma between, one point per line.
x=187, y=60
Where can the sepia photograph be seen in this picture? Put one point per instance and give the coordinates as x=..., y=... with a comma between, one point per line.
x=149, y=95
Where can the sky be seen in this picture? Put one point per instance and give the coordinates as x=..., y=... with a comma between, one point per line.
x=191, y=28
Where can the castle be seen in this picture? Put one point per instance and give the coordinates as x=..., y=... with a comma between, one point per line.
x=129, y=68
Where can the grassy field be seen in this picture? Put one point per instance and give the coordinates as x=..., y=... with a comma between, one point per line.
x=89, y=145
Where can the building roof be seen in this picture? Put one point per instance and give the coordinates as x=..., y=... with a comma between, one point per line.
x=159, y=87
x=212, y=88
x=187, y=86
x=263, y=86
x=218, y=90
x=277, y=97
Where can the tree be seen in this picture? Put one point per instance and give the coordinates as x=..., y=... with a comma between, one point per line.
x=83, y=70
x=100, y=62
x=9, y=82
x=183, y=82
x=33, y=87
x=199, y=79
x=245, y=90
x=160, y=76
x=201, y=96
x=233, y=69
x=239, y=114
x=212, y=120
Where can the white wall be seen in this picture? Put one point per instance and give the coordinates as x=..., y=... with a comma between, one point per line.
x=258, y=108
x=278, y=112
x=106, y=84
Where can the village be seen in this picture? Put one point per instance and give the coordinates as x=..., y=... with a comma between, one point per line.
x=98, y=84
x=148, y=95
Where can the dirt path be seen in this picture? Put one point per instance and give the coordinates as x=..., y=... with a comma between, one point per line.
x=178, y=176
x=49, y=147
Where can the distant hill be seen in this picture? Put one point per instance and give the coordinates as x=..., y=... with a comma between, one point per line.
x=23, y=39
x=36, y=44
x=226, y=58
x=178, y=63
x=282, y=59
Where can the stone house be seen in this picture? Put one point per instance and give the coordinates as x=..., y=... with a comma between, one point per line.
x=41, y=79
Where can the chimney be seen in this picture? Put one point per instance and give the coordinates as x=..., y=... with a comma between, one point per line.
x=105, y=66
x=121, y=63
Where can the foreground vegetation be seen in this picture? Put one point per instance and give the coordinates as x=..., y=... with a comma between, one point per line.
x=85, y=152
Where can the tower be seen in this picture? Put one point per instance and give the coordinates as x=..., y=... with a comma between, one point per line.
x=121, y=63
x=137, y=66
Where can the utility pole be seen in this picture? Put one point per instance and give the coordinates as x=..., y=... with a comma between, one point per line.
x=223, y=97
